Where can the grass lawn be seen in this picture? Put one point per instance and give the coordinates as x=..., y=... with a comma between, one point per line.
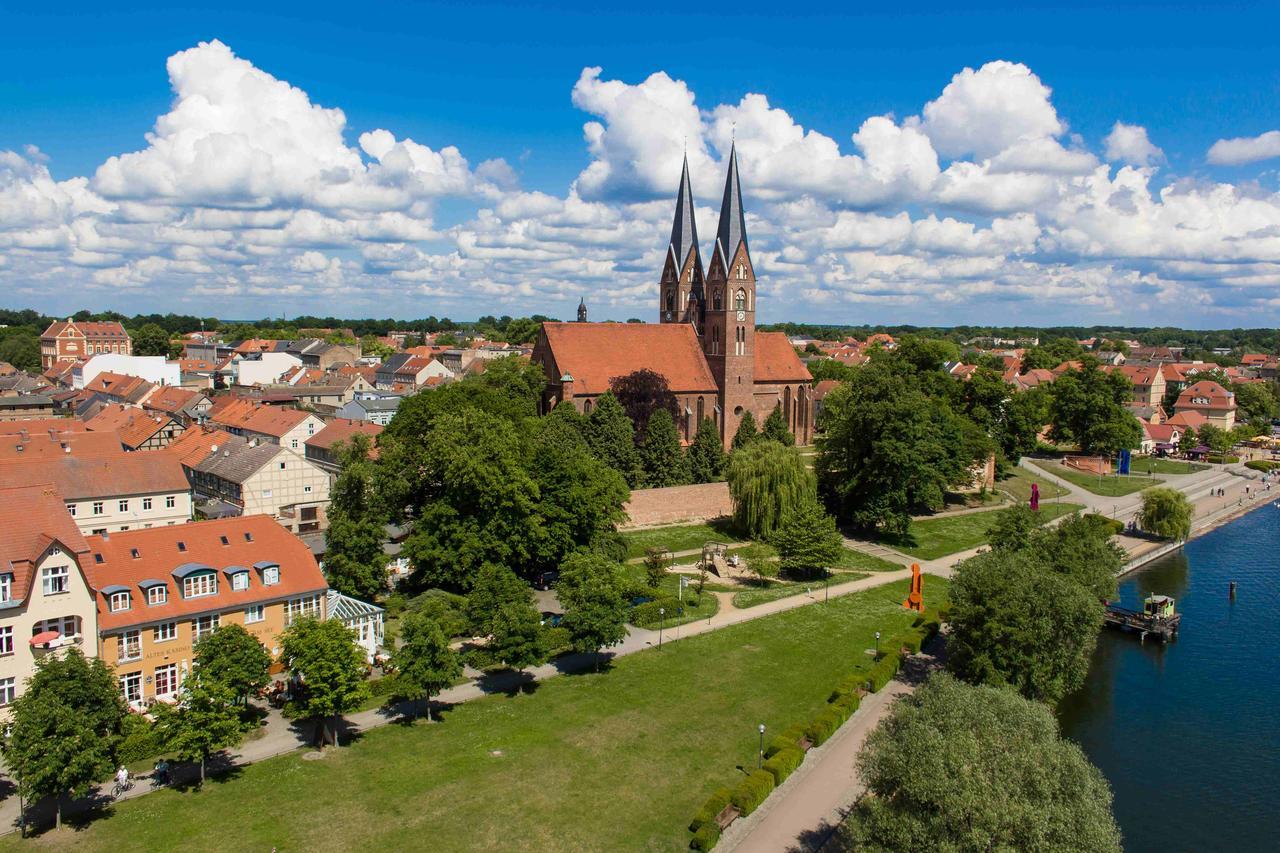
x=854, y=559
x=931, y=538
x=1156, y=465
x=773, y=592
x=679, y=537
x=1109, y=486
x=707, y=604
x=615, y=761
x=1018, y=486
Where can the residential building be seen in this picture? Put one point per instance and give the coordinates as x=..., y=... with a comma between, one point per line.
x=284, y=426
x=109, y=493
x=406, y=370
x=320, y=448
x=137, y=429
x=324, y=355
x=71, y=340
x=55, y=442
x=24, y=407
x=152, y=368
x=1208, y=398
x=183, y=404
x=46, y=599
x=375, y=410
x=160, y=591
x=1148, y=382
x=262, y=368
x=119, y=388
x=255, y=477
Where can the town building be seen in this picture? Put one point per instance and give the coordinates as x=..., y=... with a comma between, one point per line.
x=705, y=343
x=186, y=405
x=284, y=426
x=406, y=370
x=137, y=429
x=253, y=477
x=46, y=599
x=376, y=410
x=1211, y=400
x=160, y=591
x=25, y=407
x=71, y=340
x=1148, y=382
x=322, y=448
x=151, y=368
x=317, y=353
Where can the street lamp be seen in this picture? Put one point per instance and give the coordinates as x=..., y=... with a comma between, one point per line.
x=877, y=645
x=662, y=617
x=760, y=755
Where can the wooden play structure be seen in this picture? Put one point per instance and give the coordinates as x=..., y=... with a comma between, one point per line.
x=915, y=599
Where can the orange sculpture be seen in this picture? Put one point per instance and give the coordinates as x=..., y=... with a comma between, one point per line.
x=915, y=600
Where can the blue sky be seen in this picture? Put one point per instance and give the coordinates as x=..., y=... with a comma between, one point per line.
x=83, y=83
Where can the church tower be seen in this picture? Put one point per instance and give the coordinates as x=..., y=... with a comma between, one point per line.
x=680, y=293
x=728, y=338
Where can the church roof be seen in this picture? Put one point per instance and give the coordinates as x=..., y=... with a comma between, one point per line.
x=684, y=229
x=733, y=223
x=594, y=353
x=776, y=360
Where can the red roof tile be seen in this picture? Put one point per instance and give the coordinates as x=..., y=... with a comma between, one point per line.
x=134, y=426
x=194, y=445
x=52, y=443
x=31, y=518
x=35, y=425
x=341, y=429
x=776, y=360
x=99, y=476
x=594, y=353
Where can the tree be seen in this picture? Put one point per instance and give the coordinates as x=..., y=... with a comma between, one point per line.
x=707, y=458
x=1166, y=512
x=807, y=541
x=516, y=637
x=591, y=591
x=958, y=767
x=665, y=463
x=1089, y=408
x=760, y=560
x=611, y=437
x=1013, y=527
x=425, y=664
x=331, y=668
x=775, y=428
x=766, y=480
x=655, y=566
x=21, y=348
x=204, y=720
x=1256, y=404
x=1216, y=438
x=354, y=561
x=641, y=394
x=234, y=658
x=1015, y=621
x=495, y=587
x=151, y=339
x=65, y=725
x=1188, y=441
x=1081, y=548
x=746, y=432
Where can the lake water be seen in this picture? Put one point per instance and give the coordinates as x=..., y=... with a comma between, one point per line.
x=1189, y=734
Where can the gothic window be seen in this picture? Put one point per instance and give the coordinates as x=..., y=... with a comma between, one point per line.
x=740, y=300
x=671, y=301
x=586, y=407
x=742, y=272
x=700, y=411
x=717, y=301
x=786, y=409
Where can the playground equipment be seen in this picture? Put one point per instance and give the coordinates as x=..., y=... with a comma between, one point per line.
x=915, y=599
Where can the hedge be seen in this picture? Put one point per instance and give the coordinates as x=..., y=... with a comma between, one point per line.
x=712, y=807
x=706, y=836
x=824, y=725
x=1262, y=465
x=884, y=671
x=1220, y=459
x=1115, y=525
x=783, y=764
x=748, y=794
x=647, y=616
x=140, y=741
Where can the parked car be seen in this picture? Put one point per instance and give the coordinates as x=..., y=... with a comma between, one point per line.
x=546, y=580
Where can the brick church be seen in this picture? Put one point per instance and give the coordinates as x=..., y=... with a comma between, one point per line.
x=705, y=341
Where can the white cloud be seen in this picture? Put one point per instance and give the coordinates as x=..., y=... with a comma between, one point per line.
x=1128, y=143
x=1245, y=149
x=984, y=112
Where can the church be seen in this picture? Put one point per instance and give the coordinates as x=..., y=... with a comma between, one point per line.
x=705, y=341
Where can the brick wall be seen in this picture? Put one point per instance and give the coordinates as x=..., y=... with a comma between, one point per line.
x=653, y=507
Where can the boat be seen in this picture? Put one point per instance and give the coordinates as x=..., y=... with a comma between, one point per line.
x=1159, y=617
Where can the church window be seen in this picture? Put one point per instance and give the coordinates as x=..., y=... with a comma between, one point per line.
x=586, y=407
x=718, y=301
x=700, y=411
x=740, y=300
x=786, y=409
x=671, y=301
x=742, y=272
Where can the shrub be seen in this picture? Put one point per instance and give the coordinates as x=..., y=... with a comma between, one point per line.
x=706, y=837
x=1262, y=465
x=778, y=744
x=783, y=764
x=139, y=740
x=824, y=726
x=385, y=686
x=647, y=616
x=396, y=603
x=1115, y=525
x=910, y=642
x=712, y=807
x=445, y=608
x=748, y=794
x=847, y=704
x=847, y=685
x=884, y=671
x=556, y=640
x=1221, y=459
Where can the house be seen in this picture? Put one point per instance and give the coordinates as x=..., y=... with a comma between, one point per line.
x=320, y=448
x=1208, y=398
x=255, y=477
x=109, y=493
x=53, y=443
x=158, y=592
x=406, y=370
x=46, y=597
x=317, y=353
x=22, y=407
x=137, y=429
x=71, y=340
x=1148, y=382
x=376, y=410
x=1147, y=413
x=262, y=367
x=1187, y=420
x=152, y=368
x=284, y=426
x=183, y=404
x=119, y=388
x=1160, y=438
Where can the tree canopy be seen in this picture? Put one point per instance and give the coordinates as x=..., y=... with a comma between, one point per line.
x=965, y=768
x=1088, y=408
x=642, y=393
x=775, y=428
x=612, y=438
x=354, y=562
x=807, y=541
x=204, y=720
x=592, y=593
x=665, y=462
x=234, y=658
x=332, y=669
x=766, y=480
x=425, y=664
x=1166, y=512
x=746, y=433
x=707, y=459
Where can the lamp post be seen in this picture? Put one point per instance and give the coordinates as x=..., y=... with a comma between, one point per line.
x=662, y=617
x=877, y=645
x=760, y=754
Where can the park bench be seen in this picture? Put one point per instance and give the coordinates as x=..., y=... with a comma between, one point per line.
x=727, y=815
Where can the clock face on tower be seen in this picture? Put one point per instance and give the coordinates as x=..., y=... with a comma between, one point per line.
x=668, y=315
x=742, y=315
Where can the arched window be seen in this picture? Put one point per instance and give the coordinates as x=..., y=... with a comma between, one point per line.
x=786, y=409
x=740, y=300
x=586, y=407
x=700, y=411
x=717, y=301
x=671, y=301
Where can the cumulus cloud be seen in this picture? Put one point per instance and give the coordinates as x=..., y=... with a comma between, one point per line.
x=1245, y=149
x=981, y=207
x=1128, y=143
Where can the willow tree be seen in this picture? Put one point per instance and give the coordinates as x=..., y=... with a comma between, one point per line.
x=766, y=481
x=1166, y=512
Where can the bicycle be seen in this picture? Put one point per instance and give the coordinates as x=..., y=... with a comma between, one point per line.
x=119, y=788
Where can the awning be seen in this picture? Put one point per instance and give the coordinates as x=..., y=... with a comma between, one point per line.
x=44, y=637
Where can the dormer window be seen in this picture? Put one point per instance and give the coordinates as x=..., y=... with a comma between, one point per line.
x=248, y=537
x=198, y=585
x=157, y=595
x=182, y=546
x=119, y=601
x=240, y=581
x=271, y=575
x=133, y=552
x=6, y=586
x=224, y=540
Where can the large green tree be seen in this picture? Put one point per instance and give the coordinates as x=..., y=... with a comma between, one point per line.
x=766, y=481
x=1166, y=512
x=963, y=768
x=775, y=428
x=641, y=394
x=707, y=458
x=747, y=431
x=21, y=348
x=495, y=587
x=665, y=462
x=1015, y=621
x=1256, y=404
x=1088, y=409
x=204, y=721
x=807, y=541
x=611, y=437
x=332, y=670
x=151, y=339
x=592, y=593
x=64, y=729
x=425, y=664
x=1080, y=547
x=234, y=658
x=354, y=561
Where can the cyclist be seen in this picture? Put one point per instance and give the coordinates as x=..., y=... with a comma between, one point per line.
x=122, y=780
x=162, y=772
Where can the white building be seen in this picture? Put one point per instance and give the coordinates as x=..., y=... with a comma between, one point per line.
x=152, y=368
x=263, y=368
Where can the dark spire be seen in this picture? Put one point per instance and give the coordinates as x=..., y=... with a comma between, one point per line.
x=582, y=310
x=733, y=222
x=684, y=230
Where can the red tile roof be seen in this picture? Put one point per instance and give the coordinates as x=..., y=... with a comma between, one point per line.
x=52, y=443
x=776, y=360
x=35, y=425
x=1188, y=418
x=196, y=444
x=1140, y=376
x=134, y=426
x=594, y=353
x=79, y=478
x=109, y=330
x=341, y=429
x=1165, y=433
x=274, y=420
x=253, y=541
x=172, y=399
x=32, y=517
x=1215, y=397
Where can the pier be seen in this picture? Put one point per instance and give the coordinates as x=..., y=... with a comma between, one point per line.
x=1157, y=618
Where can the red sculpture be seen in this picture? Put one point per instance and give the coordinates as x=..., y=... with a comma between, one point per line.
x=915, y=600
x=1035, y=496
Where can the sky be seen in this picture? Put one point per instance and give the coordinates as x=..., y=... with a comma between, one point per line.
x=991, y=163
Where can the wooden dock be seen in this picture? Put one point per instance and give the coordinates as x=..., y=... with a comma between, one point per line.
x=1163, y=628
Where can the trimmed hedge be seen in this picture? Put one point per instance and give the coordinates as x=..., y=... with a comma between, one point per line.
x=783, y=764
x=706, y=836
x=1262, y=465
x=647, y=616
x=884, y=671
x=748, y=794
x=1220, y=459
x=1116, y=525
x=712, y=807
x=140, y=741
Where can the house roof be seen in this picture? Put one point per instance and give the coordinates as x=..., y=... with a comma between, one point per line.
x=173, y=399
x=32, y=517
x=594, y=353
x=1140, y=375
x=79, y=478
x=1188, y=418
x=131, y=388
x=31, y=426
x=97, y=330
x=134, y=426
x=1162, y=433
x=1215, y=397
x=341, y=429
x=193, y=445
x=52, y=443
x=252, y=541
x=776, y=360
x=238, y=459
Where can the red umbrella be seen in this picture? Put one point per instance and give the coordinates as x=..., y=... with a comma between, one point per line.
x=44, y=637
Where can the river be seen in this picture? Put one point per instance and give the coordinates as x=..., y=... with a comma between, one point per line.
x=1189, y=734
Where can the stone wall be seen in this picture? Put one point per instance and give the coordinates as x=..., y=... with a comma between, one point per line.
x=677, y=504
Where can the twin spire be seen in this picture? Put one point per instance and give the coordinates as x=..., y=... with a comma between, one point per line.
x=733, y=223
